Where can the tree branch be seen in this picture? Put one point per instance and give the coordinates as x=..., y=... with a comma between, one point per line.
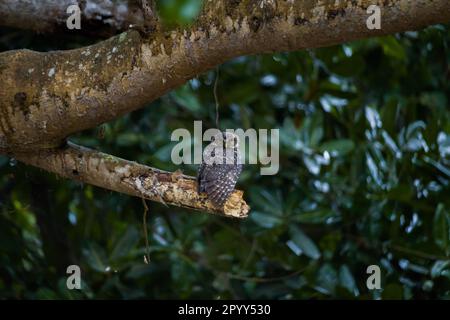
x=98, y=17
x=45, y=97
x=109, y=172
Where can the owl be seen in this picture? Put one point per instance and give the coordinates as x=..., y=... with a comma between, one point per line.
x=220, y=168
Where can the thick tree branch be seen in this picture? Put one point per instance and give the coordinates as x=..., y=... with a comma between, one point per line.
x=109, y=172
x=98, y=17
x=45, y=97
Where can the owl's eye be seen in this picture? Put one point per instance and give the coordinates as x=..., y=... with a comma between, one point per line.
x=213, y=138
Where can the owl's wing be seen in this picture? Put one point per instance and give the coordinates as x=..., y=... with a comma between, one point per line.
x=220, y=184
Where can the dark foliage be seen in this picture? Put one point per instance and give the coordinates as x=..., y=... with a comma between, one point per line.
x=364, y=180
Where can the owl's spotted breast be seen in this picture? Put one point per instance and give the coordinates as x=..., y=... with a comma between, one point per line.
x=218, y=179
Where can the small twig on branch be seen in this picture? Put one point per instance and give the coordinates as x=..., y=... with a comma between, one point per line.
x=144, y=226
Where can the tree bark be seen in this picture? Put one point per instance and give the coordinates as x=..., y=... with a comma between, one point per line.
x=99, y=18
x=45, y=97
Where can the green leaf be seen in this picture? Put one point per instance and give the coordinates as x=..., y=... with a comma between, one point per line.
x=317, y=216
x=391, y=47
x=265, y=220
x=340, y=146
x=178, y=12
x=187, y=99
x=438, y=267
x=164, y=152
x=125, y=244
x=374, y=171
x=128, y=139
x=441, y=231
x=301, y=240
x=347, y=281
x=268, y=201
x=316, y=136
x=95, y=256
x=441, y=168
x=327, y=279
x=414, y=128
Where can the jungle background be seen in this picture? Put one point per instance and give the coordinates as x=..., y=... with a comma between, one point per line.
x=364, y=180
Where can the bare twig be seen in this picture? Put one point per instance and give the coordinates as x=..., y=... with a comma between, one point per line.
x=144, y=225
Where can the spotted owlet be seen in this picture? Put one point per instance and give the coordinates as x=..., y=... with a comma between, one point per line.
x=220, y=168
